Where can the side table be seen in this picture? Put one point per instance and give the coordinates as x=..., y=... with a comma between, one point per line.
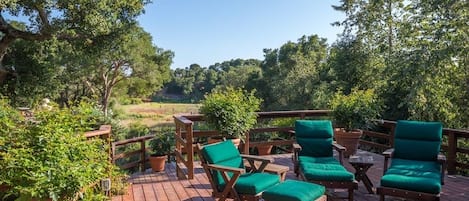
x=361, y=165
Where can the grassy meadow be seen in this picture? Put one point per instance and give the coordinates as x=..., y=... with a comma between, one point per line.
x=153, y=114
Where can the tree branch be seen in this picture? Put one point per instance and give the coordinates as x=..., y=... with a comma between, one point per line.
x=44, y=19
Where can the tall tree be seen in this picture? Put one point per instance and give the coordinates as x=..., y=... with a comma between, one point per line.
x=63, y=20
x=291, y=73
x=128, y=58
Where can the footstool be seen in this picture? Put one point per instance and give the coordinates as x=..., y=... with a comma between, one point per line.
x=292, y=190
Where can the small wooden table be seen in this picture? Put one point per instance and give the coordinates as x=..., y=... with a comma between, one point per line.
x=361, y=165
x=281, y=170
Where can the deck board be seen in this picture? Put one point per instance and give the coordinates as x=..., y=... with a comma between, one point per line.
x=162, y=186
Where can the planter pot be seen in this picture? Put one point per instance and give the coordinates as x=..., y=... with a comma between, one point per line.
x=157, y=163
x=264, y=149
x=236, y=141
x=348, y=139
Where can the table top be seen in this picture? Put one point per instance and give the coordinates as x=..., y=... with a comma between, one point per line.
x=361, y=159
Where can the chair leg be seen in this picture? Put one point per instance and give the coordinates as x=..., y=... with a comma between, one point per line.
x=350, y=194
x=381, y=197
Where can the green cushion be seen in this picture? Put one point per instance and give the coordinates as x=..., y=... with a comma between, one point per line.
x=254, y=183
x=416, y=140
x=323, y=160
x=315, y=137
x=403, y=164
x=421, y=176
x=426, y=182
x=292, y=190
x=325, y=171
x=225, y=154
x=215, y=153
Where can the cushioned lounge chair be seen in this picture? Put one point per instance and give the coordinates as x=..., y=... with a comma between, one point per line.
x=225, y=170
x=417, y=169
x=313, y=157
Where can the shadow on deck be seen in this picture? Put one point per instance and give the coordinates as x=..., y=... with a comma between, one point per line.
x=165, y=185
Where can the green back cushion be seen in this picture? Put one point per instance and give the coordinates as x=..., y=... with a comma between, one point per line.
x=225, y=154
x=416, y=140
x=315, y=137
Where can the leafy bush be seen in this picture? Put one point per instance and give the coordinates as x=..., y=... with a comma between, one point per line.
x=231, y=111
x=354, y=111
x=161, y=144
x=50, y=157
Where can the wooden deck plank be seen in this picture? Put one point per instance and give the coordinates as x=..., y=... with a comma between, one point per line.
x=165, y=186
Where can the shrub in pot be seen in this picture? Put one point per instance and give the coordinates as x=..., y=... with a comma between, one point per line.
x=263, y=149
x=352, y=113
x=230, y=111
x=161, y=147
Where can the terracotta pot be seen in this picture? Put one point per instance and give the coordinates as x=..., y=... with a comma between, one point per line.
x=264, y=149
x=348, y=139
x=157, y=163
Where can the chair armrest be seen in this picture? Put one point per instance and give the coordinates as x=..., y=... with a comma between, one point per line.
x=226, y=168
x=338, y=147
x=387, y=154
x=297, y=147
x=341, y=149
x=291, y=132
x=442, y=162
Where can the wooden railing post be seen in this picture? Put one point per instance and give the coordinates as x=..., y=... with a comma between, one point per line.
x=452, y=147
x=246, y=143
x=190, y=150
x=142, y=156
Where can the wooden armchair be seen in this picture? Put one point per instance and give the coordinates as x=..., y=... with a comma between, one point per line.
x=313, y=156
x=225, y=170
x=417, y=168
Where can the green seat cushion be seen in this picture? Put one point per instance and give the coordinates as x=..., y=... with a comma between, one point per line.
x=325, y=171
x=421, y=176
x=315, y=137
x=322, y=160
x=292, y=190
x=417, y=140
x=426, y=166
x=254, y=183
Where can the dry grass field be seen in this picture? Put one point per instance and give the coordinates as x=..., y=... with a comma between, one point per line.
x=153, y=114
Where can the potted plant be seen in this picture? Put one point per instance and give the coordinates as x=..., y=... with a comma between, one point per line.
x=351, y=113
x=161, y=147
x=230, y=111
x=263, y=149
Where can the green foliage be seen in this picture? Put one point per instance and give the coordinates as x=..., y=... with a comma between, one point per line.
x=50, y=157
x=231, y=111
x=161, y=144
x=355, y=110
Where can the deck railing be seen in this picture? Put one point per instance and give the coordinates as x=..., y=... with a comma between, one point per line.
x=185, y=136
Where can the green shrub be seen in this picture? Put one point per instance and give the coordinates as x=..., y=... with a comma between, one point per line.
x=50, y=157
x=354, y=111
x=161, y=144
x=231, y=111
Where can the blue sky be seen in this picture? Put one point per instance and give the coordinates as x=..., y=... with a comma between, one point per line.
x=210, y=31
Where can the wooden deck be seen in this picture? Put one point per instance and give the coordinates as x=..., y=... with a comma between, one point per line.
x=151, y=186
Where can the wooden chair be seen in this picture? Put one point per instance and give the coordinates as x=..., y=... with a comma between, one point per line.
x=313, y=156
x=225, y=170
x=417, y=168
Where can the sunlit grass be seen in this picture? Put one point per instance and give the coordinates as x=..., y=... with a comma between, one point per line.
x=153, y=114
